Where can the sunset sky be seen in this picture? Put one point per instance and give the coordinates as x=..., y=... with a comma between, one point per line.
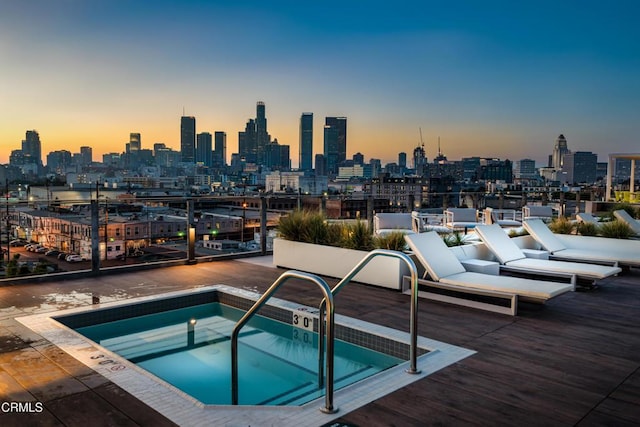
x=491, y=79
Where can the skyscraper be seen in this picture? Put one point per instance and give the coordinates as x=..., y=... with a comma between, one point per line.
x=188, y=139
x=339, y=124
x=247, y=145
x=306, y=142
x=262, y=136
x=220, y=150
x=559, y=150
x=87, y=155
x=330, y=149
x=135, y=142
x=204, y=150
x=32, y=148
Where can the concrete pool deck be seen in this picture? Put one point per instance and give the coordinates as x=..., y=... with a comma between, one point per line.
x=574, y=361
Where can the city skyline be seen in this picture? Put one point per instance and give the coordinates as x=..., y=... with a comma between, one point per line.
x=501, y=80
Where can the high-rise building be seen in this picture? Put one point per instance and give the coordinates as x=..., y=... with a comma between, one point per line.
x=579, y=167
x=86, y=153
x=247, y=144
x=204, y=149
x=525, y=169
x=402, y=160
x=135, y=142
x=330, y=150
x=188, y=139
x=559, y=151
x=339, y=132
x=306, y=142
x=419, y=160
x=58, y=161
x=262, y=136
x=32, y=148
x=220, y=149
x=277, y=156
x=358, y=158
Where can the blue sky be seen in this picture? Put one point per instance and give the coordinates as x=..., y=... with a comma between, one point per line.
x=495, y=79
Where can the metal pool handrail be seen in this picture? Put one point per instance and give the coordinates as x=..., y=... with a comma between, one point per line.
x=328, y=297
x=413, y=348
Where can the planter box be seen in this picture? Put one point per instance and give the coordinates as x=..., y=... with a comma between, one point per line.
x=335, y=262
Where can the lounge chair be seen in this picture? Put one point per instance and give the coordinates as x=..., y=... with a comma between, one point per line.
x=447, y=273
x=587, y=218
x=512, y=258
x=502, y=217
x=544, y=213
x=461, y=218
x=385, y=223
x=584, y=248
x=633, y=223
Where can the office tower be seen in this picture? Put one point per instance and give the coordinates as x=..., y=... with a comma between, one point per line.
x=340, y=126
x=220, y=149
x=419, y=160
x=86, y=153
x=135, y=143
x=262, y=136
x=559, y=150
x=158, y=146
x=402, y=160
x=579, y=167
x=204, y=149
x=32, y=148
x=247, y=145
x=277, y=157
x=188, y=139
x=306, y=142
x=330, y=150
x=321, y=165
x=525, y=169
x=58, y=161
x=358, y=159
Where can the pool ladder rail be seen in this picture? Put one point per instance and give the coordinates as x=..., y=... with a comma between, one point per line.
x=326, y=330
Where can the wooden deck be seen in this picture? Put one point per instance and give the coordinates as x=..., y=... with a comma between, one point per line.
x=574, y=361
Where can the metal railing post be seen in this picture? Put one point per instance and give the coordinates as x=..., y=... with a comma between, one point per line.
x=328, y=297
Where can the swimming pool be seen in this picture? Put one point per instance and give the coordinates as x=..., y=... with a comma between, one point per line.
x=60, y=328
x=190, y=348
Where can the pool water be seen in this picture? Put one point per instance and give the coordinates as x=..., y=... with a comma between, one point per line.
x=277, y=362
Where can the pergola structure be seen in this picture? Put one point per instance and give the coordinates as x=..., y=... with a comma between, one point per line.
x=612, y=158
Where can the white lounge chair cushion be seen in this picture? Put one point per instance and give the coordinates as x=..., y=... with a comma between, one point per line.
x=593, y=271
x=537, y=289
x=587, y=218
x=624, y=216
x=499, y=243
x=543, y=235
x=434, y=255
x=597, y=256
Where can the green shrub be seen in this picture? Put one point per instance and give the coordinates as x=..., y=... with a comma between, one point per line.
x=616, y=229
x=453, y=239
x=335, y=233
x=393, y=241
x=587, y=229
x=562, y=225
x=358, y=237
x=292, y=226
x=515, y=232
x=315, y=229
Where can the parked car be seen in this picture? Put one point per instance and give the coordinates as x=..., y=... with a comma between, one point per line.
x=41, y=250
x=52, y=252
x=62, y=255
x=17, y=242
x=73, y=258
x=29, y=246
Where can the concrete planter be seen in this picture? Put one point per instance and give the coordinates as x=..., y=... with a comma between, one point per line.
x=335, y=262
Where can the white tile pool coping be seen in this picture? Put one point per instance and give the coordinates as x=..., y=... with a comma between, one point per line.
x=184, y=410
